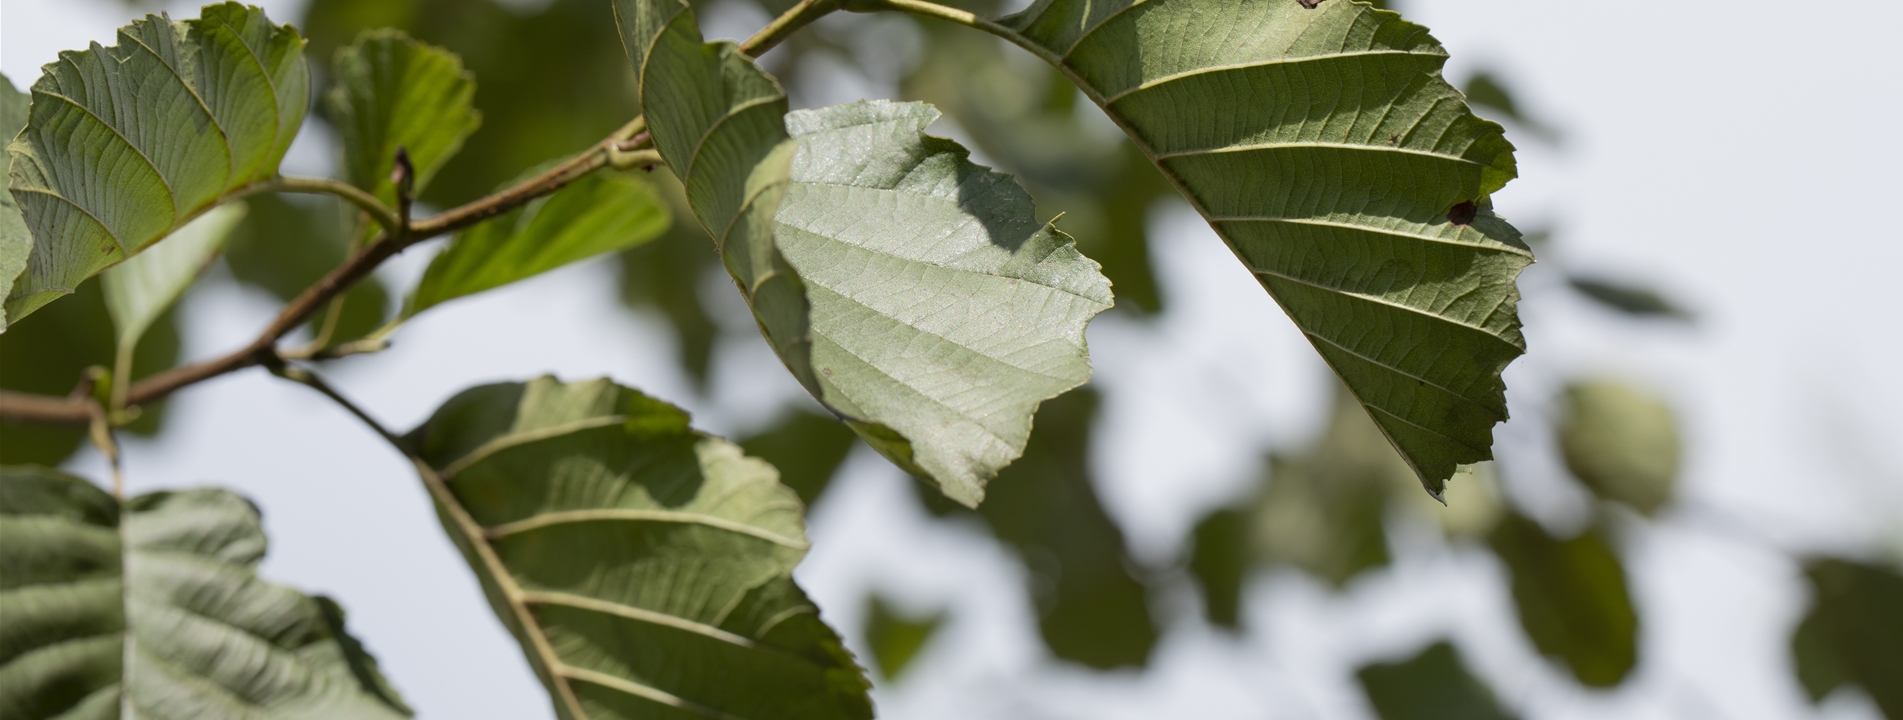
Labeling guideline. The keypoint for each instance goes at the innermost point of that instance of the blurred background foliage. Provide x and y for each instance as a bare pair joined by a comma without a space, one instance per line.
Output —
1328,509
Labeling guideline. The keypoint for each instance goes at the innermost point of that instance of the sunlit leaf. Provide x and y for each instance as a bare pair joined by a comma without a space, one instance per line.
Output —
388,92
1853,633
1434,685
1572,598
152,608
808,449
599,213
1622,442
645,568
143,287
125,144
895,637
1323,145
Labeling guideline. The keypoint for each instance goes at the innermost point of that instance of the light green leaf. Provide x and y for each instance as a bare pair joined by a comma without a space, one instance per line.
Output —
1572,598
596,214
1325,148
1434,685
646,568
128,143
143,287
394,92
1622,442
15,241
152,608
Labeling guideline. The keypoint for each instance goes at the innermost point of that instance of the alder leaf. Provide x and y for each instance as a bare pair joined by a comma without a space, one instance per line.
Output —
599,213
152,608
393,92
125,144
1572,598
1324,147
1852,633
1430,686
15,240
142,288
645,567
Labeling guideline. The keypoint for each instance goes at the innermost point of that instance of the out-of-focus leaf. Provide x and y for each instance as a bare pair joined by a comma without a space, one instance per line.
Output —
1622,442
152,608
554,78
666,274
16,242
125,144
600,213
1572,599
389,91
1434,685
895,637
645,567
807,447
287,244
1487,91
1322,509
143,287
1092,608
1323,146
46,354
1627,298
1219,560
1853,633
1026,118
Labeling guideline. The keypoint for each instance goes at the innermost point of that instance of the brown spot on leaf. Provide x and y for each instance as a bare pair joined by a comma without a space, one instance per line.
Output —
1463,214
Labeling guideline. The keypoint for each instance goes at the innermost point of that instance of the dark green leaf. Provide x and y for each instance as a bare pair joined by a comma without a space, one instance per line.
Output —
807,447
1853,632
646,568
388,92
153,608
1627,298
1572,599
1323,145
1434,685
895,637
125,144
287,244
599,213
46,354
1622,442
1219,560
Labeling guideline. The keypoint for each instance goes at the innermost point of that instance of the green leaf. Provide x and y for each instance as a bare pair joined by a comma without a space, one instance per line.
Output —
808,449
393,92
1628,298
667,275
1622,442
145,286
1325,148
153,608
15,240
895,637
1322,509
599,213
1219,560
646,568
1853,633
1434,685
1092,606
1572,598
128,143
47,353
287,243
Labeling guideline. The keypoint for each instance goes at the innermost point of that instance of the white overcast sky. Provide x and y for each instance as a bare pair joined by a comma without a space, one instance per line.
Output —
1741,155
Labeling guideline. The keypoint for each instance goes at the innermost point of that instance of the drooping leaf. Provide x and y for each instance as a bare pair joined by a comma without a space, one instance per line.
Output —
1323,145
152,608
125,144
646,568
600,213
1853,633
1219,560
929,310
390,92
143,287
288,243
1092,608
896,637
15,241
1434,685
1572,599
1628,298
808,449
1622,442
49,351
